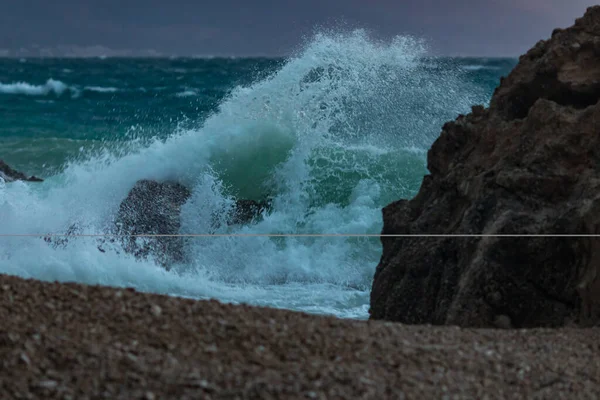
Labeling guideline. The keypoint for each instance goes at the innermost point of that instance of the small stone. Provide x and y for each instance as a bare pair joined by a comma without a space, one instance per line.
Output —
48,384
156,310
25,358
503,322
211,349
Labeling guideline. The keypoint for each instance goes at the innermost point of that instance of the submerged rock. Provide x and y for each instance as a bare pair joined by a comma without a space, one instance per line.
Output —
10,175
245,211
149,219
530,164
154,208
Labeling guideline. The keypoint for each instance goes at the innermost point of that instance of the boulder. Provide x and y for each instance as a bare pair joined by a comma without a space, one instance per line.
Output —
154,208
529,164
10,175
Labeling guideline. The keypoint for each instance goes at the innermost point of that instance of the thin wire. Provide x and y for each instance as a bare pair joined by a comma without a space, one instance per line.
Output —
376,235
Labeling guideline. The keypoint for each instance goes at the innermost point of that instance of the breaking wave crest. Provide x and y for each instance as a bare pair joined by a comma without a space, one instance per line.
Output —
339,131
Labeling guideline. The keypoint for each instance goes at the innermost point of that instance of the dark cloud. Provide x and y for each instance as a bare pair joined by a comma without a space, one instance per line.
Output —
223,27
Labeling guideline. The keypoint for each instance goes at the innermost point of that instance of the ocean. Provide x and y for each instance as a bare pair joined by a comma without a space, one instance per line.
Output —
331,134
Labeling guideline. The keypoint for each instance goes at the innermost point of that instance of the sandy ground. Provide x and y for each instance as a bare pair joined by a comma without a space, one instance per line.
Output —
75,342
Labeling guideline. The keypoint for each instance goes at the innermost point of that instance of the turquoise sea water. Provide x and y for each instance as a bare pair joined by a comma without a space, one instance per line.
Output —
332,134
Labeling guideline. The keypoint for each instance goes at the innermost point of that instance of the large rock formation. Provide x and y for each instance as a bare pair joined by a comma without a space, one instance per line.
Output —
530,164
9,175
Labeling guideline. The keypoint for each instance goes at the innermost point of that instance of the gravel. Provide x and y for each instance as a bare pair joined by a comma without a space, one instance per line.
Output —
72,341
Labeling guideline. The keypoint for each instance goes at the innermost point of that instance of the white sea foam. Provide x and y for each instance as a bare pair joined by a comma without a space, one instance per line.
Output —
50,87
101,89
479,67
187,93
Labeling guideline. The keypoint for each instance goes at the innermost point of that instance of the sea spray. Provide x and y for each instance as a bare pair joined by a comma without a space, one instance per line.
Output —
334,134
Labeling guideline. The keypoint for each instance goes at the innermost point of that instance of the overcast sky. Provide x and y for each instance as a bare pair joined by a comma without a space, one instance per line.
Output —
270,27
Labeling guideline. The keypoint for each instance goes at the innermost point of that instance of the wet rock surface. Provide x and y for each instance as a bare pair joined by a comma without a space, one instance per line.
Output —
10,175
246,211
529,164
149,220
153,208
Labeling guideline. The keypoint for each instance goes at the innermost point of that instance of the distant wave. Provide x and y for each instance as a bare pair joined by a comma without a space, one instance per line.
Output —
24,88
51,86
187,93
478,67
100,89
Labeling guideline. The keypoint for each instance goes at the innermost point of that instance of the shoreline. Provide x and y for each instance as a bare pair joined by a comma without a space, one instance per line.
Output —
68,340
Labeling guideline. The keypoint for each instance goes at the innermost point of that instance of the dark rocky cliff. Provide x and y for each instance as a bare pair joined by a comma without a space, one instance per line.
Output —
530,164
